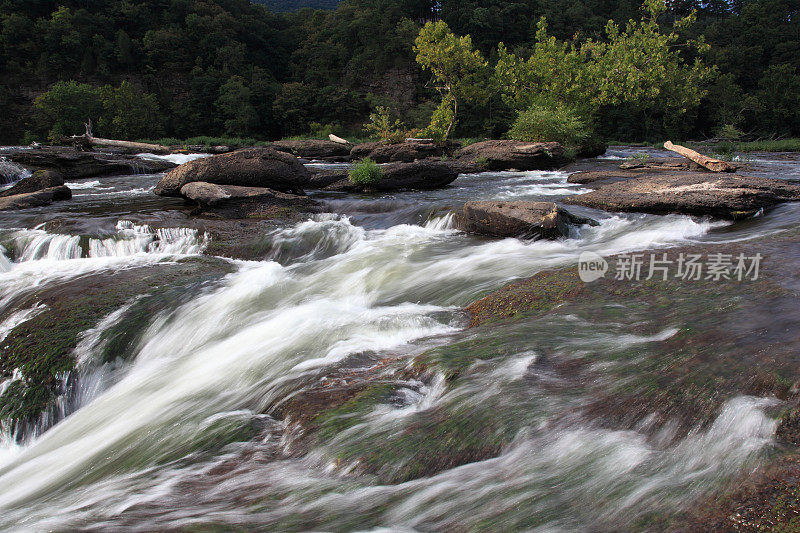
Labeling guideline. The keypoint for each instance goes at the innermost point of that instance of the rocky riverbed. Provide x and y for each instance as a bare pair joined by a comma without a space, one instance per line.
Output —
257,347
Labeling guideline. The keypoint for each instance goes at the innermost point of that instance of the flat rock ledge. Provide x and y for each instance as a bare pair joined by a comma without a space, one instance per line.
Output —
517,155
233,201
72,163
731,197
405,152
532,220
35,199
419,175
314,149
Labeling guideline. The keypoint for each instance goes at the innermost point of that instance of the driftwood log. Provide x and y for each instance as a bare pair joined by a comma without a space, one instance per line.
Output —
90,140
128,145
337,139
714,165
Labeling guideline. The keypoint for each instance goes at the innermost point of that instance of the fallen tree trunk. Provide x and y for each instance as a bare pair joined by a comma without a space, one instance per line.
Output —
337,139
128,145
714,165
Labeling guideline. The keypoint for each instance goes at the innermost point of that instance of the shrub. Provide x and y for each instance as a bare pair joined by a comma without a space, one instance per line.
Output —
550,123
366,173
384,126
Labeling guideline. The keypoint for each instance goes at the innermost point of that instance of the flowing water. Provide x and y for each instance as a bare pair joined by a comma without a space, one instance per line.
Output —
182,430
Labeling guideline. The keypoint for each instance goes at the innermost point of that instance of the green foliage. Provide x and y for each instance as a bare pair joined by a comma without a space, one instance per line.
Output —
385,127
639,156
128,113
457,69
730,132
63,110
558,123
231,67
236,108
639,68
366,173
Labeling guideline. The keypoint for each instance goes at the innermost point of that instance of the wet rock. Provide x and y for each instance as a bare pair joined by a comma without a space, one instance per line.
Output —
42,348
360,151
75,164
419,175
35,199
314,149
323,178
41,179
408,152
516,219
251,167
692,193
519,155
213,195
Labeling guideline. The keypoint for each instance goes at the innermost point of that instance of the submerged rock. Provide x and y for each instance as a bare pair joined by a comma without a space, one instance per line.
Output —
251,167
516,219
35,199
519,155
314,149
692,193
75,164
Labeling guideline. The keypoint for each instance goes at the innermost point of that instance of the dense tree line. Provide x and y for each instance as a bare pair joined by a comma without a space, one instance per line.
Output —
212,67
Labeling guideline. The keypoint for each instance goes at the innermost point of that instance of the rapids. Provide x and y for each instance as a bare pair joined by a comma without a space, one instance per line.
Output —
179,435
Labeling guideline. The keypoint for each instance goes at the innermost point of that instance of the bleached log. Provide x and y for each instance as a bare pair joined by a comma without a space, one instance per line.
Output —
336,139
714,165
128,145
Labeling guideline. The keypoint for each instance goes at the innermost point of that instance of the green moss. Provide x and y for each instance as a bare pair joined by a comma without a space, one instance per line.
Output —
42,347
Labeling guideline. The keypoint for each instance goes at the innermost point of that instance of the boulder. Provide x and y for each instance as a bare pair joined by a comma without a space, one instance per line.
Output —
251,167
35,199
692,193
519,155
314,149
419,175
408,152
516,219
41,179
360,151
75,164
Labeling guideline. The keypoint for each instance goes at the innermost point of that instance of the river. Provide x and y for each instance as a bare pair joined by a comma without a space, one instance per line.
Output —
178,427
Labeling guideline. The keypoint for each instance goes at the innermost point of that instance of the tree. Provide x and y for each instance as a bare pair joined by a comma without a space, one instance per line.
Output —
639,70
130,114
62,110
456,69
235,106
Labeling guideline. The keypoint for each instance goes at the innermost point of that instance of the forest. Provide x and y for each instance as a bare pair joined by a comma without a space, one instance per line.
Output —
149,69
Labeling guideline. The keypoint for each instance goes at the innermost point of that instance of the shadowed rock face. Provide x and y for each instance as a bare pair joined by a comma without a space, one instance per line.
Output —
401,152
314,149
516,219
418,175
519,155
35,199
691,193
75,164
213,195
252,167
41,179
